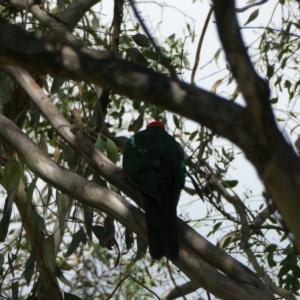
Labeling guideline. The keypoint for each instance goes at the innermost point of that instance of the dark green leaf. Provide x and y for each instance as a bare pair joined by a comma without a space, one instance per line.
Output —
62,202
274,100
78,237
231,183
1,260
5,220
284,237
10,264
287,84
270,71
133,54
149,53
272,248
38,220
226,242
14,289
283,63
29,267
176,121
30,190
270,258
217,226
252,17
59,274
12,175
141,40
192,136
128,238
273,220
141,248
106,233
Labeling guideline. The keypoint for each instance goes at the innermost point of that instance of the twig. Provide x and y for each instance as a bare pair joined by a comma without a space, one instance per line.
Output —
164,60
238,10
197,57
130,276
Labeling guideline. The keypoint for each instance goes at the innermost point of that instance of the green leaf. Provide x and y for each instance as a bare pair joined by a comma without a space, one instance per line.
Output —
274,100
270,258
106,233
252,17
231,183
272,247
128,239
38,220
134,54
12,175
273,220
5,220
149,53
141,248
29,267
112,151
59,274
1,260
193,135
10,264
141,40
226,242
14,289
176,121
49,253
30,190
270,71
62,202
78,237
284,237
217,226
287,84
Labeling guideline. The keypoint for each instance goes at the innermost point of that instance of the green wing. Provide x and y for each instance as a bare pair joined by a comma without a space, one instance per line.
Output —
142,157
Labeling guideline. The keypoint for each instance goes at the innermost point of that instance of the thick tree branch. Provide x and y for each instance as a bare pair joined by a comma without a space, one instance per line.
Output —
133,80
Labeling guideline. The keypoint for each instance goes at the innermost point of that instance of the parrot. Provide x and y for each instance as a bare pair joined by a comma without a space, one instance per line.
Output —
153,161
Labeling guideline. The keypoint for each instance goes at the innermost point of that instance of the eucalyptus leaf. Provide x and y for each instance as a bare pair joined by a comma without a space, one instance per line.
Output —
252,17
141,40
49,253
78,237
112,151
